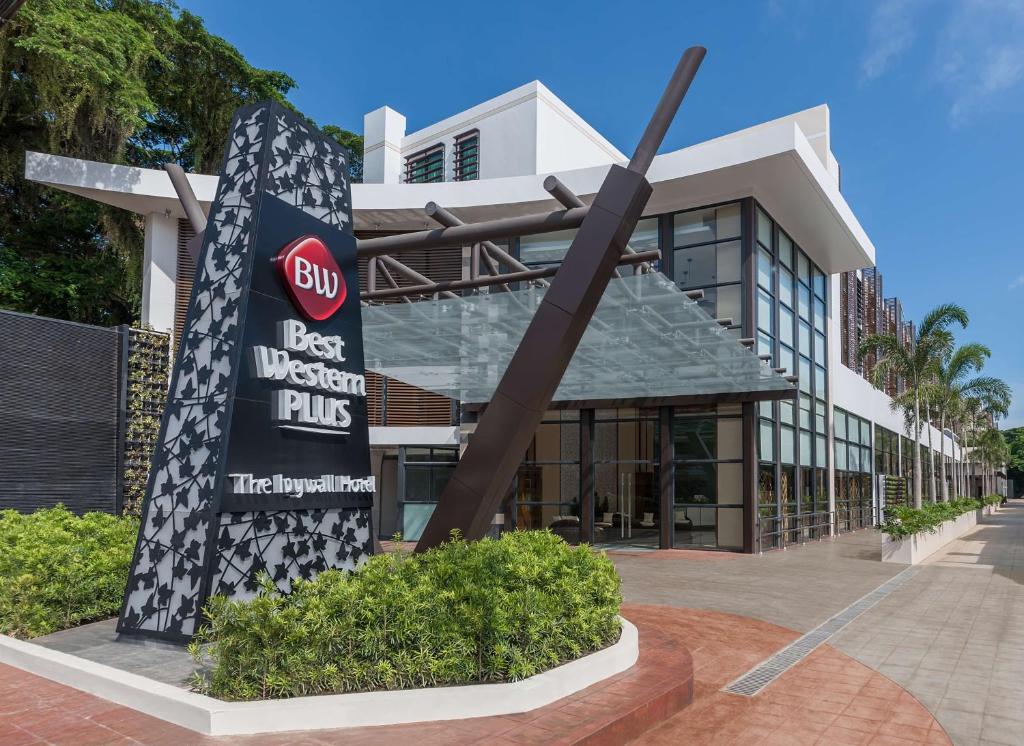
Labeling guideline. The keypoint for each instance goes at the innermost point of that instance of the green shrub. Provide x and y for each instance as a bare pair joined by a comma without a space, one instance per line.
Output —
904,521
992,499
492,610
59,570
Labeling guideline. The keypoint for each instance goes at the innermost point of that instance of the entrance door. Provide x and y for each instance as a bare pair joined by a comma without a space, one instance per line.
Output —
626,494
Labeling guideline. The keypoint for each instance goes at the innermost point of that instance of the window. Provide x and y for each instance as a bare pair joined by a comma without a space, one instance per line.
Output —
853,470
706,255
707,225
712,264
426,166
545,249
467,156
547,489
548,249
424,472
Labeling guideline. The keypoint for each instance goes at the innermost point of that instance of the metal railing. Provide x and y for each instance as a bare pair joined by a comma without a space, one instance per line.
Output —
780,531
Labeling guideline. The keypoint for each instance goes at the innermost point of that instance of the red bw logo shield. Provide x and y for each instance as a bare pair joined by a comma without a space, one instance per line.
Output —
312,278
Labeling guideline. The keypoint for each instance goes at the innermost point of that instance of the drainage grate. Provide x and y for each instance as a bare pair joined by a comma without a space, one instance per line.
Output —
767,671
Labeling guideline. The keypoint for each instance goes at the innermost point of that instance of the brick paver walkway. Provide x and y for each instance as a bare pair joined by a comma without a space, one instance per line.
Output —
828,699
951,640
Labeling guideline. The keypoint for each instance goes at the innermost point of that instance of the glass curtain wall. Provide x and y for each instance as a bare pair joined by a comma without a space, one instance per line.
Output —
708,456
547,491
790,316
852,442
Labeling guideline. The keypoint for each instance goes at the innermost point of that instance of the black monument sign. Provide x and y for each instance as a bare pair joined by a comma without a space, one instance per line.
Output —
263,459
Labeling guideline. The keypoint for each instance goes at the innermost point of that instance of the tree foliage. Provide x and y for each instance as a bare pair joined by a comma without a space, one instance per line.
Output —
124,81
1015,443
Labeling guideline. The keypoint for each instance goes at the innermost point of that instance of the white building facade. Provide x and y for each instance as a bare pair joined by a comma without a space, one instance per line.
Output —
756,219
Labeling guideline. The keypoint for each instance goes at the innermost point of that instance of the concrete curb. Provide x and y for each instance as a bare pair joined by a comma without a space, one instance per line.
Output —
215,717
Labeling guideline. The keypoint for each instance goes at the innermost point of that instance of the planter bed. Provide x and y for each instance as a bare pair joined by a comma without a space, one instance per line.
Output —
910,550
216,717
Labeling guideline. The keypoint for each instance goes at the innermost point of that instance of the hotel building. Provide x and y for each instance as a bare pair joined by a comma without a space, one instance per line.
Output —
667,432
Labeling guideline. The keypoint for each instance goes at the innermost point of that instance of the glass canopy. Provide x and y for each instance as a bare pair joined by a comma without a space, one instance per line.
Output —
647,339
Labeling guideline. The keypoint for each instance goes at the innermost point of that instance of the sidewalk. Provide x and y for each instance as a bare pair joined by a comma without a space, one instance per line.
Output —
954,635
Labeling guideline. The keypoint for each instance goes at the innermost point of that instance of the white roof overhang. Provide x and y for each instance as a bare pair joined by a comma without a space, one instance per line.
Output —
774,163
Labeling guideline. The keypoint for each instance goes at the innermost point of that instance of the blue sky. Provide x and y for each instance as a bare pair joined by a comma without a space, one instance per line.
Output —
927,100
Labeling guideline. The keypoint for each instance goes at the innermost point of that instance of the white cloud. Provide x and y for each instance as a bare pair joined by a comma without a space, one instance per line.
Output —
891,32
981,55
1018,282
977,48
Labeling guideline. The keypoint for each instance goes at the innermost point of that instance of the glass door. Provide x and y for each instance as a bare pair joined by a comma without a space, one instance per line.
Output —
626,493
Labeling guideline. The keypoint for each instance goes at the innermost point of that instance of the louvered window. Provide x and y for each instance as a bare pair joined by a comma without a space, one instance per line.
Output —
467,156
425,167
185,277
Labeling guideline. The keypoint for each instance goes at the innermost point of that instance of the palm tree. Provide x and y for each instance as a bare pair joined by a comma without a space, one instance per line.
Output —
981,412
988,449
916,364
953,383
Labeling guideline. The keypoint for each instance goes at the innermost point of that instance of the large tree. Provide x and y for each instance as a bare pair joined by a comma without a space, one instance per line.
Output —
122,81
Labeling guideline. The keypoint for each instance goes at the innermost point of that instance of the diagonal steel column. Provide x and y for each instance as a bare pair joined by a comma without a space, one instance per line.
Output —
486,469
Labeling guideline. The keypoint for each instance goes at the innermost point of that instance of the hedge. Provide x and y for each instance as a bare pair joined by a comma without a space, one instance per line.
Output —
486,611
904,521
59,570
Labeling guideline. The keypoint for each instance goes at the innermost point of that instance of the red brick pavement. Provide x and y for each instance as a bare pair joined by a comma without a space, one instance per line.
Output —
827,699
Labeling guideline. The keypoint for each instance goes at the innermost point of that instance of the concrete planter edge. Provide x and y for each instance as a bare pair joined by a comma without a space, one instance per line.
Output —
215,717
912,550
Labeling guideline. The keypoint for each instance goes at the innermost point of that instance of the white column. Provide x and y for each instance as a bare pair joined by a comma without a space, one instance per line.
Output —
383,132
159,272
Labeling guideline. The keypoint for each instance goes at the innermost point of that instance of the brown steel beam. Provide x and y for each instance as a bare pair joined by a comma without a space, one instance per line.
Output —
390,279
561,192
481,478
446,219
587,476
566,197
409,273
650,402
666,110
462,235
492,266
666,480
530,274
189,202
